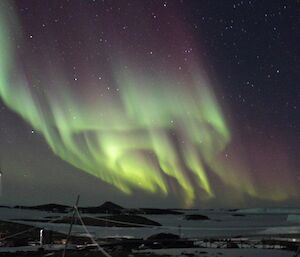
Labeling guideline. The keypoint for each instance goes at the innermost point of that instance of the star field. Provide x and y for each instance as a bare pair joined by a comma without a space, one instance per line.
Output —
195,101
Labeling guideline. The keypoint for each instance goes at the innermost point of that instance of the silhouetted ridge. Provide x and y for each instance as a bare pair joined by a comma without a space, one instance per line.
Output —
47,207
107,207
111,206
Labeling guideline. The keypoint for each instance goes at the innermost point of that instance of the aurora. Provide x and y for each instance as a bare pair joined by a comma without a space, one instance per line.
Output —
146,122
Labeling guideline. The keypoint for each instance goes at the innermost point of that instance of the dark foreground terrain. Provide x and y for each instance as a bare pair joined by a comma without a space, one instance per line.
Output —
148,232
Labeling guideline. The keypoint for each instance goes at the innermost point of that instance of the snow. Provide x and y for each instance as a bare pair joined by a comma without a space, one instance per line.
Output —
270,210
202,252
222,223
289,230
34,248
293,218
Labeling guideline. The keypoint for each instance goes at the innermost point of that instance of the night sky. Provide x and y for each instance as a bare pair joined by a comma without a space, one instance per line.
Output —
150,103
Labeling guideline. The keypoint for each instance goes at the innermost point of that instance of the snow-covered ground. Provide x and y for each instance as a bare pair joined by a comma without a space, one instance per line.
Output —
270,210
221,223
35,248
219,252
294,218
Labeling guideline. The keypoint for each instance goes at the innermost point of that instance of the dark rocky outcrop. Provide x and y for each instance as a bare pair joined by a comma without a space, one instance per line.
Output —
159,211
196,217
163,236
107,208
48,207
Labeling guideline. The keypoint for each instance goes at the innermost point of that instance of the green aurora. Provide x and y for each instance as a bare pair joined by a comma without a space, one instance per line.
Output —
159,133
